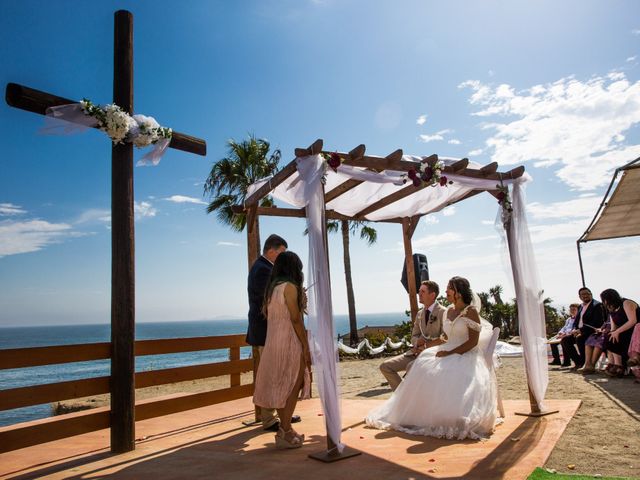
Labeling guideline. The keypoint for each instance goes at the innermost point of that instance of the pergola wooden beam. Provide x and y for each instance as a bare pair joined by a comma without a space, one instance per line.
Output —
299,213
36,101
354,155
282,175
410,189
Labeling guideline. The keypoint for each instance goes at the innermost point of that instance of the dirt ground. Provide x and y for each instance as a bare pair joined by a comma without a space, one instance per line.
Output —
603,438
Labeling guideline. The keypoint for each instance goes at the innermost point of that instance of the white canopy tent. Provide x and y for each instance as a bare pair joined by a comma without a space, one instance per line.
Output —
375,189
619,213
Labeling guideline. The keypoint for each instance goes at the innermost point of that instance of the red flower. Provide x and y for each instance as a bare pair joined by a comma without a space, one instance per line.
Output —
412,174
427,174
416,182
501,196
334,161
443,181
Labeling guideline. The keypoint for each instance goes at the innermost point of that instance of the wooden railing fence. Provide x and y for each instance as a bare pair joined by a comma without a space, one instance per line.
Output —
21,435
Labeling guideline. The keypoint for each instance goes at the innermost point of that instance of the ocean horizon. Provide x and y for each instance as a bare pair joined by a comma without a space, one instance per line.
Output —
50,335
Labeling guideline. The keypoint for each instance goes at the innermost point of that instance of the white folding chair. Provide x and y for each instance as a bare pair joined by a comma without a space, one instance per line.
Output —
488,356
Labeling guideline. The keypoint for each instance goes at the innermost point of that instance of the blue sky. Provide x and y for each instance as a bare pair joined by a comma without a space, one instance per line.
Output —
554,86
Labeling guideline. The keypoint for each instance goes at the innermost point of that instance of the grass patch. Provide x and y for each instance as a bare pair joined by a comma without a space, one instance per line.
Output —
542,474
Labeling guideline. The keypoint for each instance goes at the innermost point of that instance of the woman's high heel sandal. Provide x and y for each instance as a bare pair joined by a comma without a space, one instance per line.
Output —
288,439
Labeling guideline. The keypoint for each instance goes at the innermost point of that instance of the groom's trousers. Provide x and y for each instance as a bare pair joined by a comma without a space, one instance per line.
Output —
268,416
393,365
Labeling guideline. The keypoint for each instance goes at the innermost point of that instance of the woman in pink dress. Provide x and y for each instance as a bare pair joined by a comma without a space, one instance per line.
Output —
284,370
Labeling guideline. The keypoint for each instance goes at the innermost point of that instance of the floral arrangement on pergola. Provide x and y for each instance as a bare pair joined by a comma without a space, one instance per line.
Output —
398,188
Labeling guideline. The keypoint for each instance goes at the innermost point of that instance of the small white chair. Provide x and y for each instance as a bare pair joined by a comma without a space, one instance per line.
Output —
488,356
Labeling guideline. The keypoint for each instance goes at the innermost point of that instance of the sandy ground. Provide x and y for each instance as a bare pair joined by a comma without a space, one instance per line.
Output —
603,438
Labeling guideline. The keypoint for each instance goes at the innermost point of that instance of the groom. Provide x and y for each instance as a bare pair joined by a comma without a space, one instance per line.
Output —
427,328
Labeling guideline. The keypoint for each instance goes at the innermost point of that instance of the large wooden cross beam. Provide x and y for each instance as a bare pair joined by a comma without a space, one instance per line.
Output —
122,228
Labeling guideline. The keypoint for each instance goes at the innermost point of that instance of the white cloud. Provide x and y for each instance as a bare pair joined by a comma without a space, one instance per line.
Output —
582,207
544,233
579,125
7,209
454,141
487,222
228,244
436,136
421,119
635,31
486,237
435,240
143,209
475,152
94,215
429,220
491,73
449,211
631,59
184,199
30,235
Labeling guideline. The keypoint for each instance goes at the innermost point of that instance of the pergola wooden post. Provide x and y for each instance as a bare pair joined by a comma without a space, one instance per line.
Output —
408,228
122,384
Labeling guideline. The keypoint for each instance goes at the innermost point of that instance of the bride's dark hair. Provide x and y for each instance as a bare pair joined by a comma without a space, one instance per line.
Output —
286,268
461,285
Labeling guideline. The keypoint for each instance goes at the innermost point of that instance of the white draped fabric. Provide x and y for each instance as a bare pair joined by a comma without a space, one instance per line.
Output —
323,348
529,296
304,189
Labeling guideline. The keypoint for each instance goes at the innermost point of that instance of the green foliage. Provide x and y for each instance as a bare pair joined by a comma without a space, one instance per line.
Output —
376,338
544,474
246,162
403,330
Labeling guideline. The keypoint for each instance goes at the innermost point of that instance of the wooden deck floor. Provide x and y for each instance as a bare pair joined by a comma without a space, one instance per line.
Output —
212,442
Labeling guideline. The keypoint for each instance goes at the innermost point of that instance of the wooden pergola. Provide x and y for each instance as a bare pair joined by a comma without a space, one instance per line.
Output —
358,158
488,178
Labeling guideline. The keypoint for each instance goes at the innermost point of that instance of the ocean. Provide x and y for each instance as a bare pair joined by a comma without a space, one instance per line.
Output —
22,337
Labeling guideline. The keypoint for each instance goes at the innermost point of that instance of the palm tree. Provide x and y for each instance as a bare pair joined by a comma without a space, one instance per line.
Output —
246,162
370,235
495,292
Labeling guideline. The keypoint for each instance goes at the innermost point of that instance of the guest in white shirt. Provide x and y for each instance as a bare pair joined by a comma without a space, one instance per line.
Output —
565,331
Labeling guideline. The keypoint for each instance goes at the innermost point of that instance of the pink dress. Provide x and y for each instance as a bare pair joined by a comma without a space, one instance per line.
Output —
281,357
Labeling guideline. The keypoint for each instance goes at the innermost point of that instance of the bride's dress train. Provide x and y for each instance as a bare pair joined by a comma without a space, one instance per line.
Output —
446,397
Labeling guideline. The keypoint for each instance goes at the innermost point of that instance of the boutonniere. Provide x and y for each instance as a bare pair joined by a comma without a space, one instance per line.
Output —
433,318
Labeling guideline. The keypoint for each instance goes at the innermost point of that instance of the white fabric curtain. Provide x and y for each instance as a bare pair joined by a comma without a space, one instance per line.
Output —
323,347
304,189
529,295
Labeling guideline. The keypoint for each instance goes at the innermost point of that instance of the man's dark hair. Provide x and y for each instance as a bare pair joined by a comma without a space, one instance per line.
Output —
274,241
585,289
431,286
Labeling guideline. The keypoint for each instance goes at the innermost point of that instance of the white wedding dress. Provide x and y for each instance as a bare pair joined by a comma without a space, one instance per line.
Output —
446,397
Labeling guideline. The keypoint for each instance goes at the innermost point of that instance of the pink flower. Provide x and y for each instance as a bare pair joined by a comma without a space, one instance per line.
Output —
416,182
443,181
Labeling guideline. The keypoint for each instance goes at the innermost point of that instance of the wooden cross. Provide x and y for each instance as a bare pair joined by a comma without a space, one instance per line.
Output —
122,229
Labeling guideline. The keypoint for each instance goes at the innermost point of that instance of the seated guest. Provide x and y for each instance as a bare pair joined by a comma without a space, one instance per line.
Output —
590,317
624,316
565,331
634,352
593,348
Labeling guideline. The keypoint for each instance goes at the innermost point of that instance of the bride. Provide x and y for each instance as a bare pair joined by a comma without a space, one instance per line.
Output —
450,391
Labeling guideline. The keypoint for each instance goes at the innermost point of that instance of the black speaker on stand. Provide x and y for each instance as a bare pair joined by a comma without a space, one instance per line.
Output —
421,269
